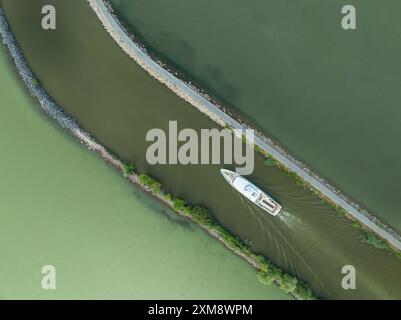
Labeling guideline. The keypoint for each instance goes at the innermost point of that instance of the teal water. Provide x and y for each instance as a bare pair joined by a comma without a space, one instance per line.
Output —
62,205
329,96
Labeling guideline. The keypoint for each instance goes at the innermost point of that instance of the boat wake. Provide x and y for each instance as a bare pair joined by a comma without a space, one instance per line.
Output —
290,221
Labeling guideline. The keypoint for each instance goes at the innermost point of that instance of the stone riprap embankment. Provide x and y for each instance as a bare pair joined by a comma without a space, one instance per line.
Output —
217,113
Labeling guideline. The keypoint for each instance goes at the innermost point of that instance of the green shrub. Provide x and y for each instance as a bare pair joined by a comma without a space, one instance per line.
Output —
149,182
264,278
288,283
128,169
235,242
200,215
270,162
168,197
277,273
258,149
178,204
264,264
303,292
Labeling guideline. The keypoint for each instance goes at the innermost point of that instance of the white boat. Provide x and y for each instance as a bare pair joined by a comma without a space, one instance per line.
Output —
251,192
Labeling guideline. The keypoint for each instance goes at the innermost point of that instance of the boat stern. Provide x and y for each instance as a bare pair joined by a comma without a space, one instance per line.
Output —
277,210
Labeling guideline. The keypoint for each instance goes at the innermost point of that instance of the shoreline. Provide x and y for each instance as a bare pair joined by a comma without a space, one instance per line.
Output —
200,216
205,104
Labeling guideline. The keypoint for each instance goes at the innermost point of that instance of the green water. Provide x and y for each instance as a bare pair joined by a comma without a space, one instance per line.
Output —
115,100
62,205
330,96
